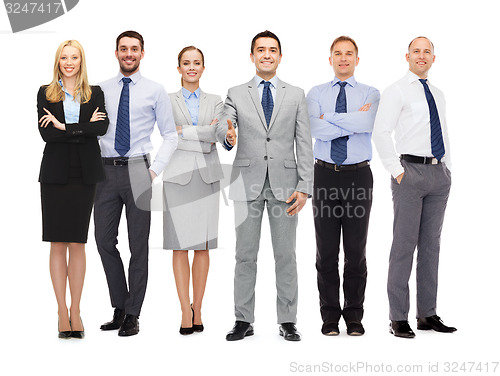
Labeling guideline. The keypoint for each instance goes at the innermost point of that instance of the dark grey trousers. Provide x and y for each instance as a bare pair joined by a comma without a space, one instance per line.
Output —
419,207
128,186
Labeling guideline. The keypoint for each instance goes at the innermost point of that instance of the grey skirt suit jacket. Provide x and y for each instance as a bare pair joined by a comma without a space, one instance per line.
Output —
191,179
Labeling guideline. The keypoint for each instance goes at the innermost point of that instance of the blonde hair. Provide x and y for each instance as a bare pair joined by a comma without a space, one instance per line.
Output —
83,91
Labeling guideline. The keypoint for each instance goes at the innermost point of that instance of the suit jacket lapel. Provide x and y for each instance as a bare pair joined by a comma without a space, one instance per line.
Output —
84,109
182,105
254,94
280,94
202,115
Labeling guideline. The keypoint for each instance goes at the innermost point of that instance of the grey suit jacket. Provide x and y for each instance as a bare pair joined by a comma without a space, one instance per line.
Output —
197,144
283,151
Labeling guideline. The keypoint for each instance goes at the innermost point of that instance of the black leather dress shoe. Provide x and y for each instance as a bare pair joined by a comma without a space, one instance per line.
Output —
434,323
401,329
130,326
355,328
117,321
289,332
330,328
241,329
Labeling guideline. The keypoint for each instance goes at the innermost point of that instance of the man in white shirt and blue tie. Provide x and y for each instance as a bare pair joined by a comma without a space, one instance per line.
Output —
414,110
135,104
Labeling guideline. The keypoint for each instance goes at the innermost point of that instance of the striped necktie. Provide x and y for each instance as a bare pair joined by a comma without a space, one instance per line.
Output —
122,135
437,144
338,151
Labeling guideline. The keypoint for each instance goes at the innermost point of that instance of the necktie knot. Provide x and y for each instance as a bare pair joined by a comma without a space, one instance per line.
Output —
423,81
342,83
126,80
266,83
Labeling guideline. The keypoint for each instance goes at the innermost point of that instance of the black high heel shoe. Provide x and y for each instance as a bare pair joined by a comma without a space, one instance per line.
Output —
186,331
79,334
196,328
65,334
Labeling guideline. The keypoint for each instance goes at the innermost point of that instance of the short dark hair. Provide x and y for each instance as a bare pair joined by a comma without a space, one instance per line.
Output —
344,38
265,34
130,34
419,38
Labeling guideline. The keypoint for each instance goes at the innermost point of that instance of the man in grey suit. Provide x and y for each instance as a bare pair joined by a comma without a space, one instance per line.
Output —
273,167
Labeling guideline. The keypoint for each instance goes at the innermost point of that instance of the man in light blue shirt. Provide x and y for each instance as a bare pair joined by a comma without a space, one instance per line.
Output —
342,113
135,105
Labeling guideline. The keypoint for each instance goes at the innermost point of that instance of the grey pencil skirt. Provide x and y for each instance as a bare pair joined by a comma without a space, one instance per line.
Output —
191,214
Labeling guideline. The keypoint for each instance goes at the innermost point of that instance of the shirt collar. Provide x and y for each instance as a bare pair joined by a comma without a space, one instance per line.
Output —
273,81
64,89
135,77
187,94
412,77
351,81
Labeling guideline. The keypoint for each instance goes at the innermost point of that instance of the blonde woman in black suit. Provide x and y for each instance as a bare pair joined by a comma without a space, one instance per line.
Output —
191,187
71,114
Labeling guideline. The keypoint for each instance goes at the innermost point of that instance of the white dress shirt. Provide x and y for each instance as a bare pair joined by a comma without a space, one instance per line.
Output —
149,104
403,109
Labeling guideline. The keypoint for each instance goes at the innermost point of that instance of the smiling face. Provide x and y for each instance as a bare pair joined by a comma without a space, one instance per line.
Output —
266,56
191,66
344,59
129,55
70,62
420,56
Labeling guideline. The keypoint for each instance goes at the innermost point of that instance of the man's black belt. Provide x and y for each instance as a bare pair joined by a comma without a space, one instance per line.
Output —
124,161
341,168
421,160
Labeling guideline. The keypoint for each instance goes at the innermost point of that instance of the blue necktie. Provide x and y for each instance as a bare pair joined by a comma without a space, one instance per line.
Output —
122,135
338,151
437,144
267,101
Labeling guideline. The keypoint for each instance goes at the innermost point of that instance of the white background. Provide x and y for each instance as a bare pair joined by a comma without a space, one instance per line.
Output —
465,35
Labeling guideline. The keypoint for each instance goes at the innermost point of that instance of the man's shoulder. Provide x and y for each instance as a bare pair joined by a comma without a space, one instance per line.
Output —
107,83
150,83
321,87
365,87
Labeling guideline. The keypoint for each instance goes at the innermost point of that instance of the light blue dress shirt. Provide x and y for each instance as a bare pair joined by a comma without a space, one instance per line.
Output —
192,101
260,86
358,125
71,107
149,104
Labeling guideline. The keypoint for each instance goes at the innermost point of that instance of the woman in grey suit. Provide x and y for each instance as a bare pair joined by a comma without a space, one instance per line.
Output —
191,186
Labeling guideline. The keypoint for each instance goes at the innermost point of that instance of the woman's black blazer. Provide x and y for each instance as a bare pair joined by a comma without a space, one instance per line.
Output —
55,162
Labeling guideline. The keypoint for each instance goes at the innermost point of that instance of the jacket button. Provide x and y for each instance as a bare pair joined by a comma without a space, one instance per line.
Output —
268,139
265,158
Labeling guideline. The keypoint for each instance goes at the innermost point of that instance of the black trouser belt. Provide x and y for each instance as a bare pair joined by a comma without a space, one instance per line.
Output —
124,161
341,168
421,160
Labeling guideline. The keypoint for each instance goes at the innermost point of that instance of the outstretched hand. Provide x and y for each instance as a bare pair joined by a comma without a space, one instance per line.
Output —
231,133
